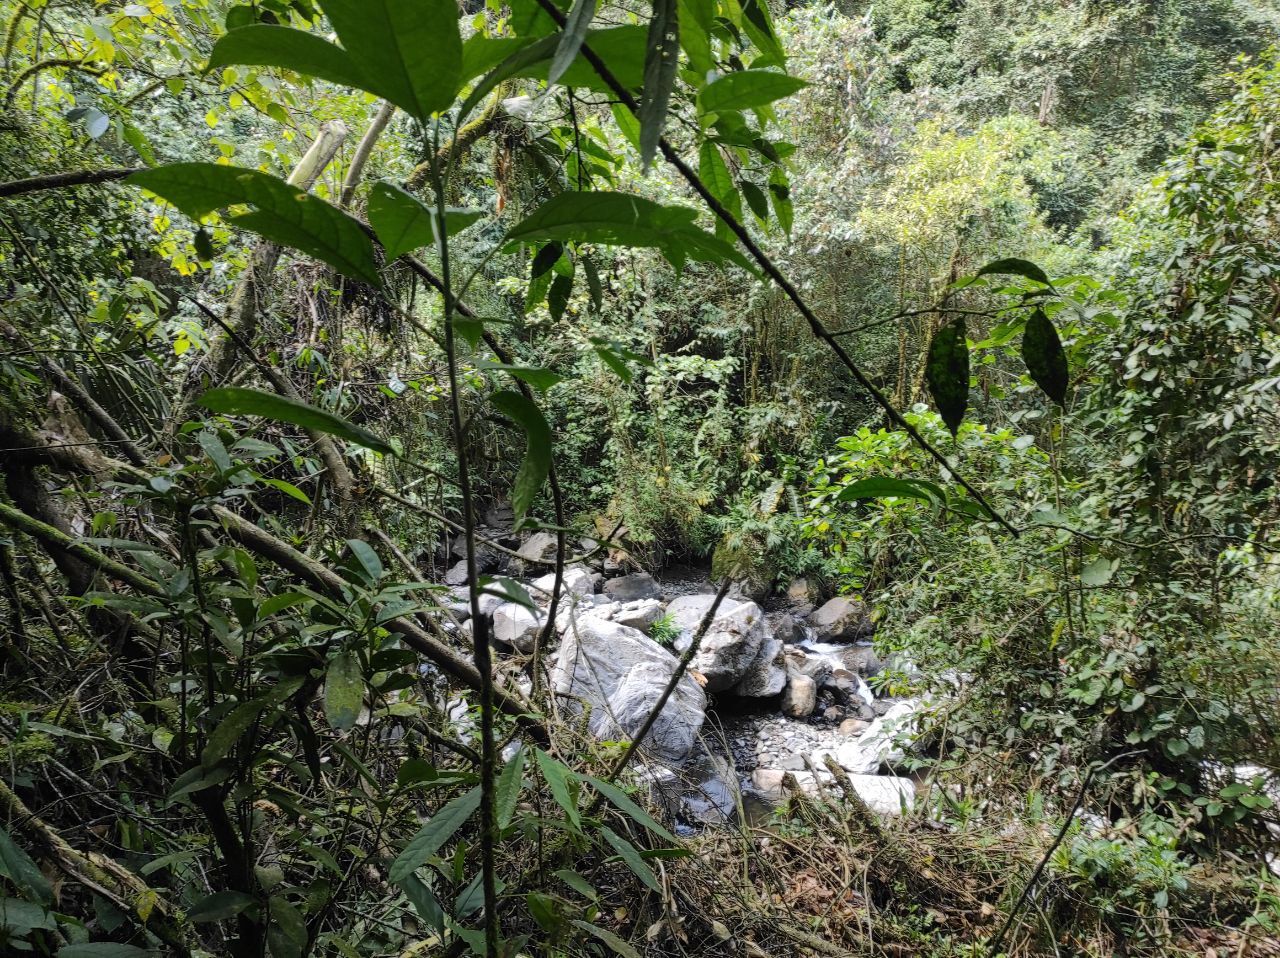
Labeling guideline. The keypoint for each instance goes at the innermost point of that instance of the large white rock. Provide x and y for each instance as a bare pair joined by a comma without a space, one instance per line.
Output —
885,794
539,548
877,745
640,614
517,626
766,675
577,581
629,588
575,607
842,619
730,645
800,697
619,673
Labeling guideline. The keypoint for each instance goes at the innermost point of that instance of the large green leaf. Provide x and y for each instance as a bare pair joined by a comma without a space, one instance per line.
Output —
616,944
220,906
780,190
481,53
746,89
628,853
235,400
404,223
571,37
433,835
1015,267
714,173
622,49
947,372
759,26
560,780
510,781
409,51
697,20
282,213
343,690
287,933
614,219
1045,358
239,719
17,866
662,60
21,917
882,487
625,803
266,45
537,455
622,219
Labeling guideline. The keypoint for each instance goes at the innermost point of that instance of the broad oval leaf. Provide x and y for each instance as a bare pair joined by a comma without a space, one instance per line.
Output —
623,219
236,400
880,487
343,691
536,376
622,49
239,719
433,835
560,780
714,173
17,866
1016,267
404,223
220,906
408,51
747,89
1045,358
947,372
537,455
267,45
283,214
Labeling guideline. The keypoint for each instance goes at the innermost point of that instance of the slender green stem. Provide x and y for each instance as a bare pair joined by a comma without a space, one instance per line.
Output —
480,630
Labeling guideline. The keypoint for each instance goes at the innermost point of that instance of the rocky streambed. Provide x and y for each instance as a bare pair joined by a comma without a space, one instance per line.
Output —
773,698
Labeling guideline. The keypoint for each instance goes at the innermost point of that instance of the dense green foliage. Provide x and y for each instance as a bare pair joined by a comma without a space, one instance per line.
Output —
967,308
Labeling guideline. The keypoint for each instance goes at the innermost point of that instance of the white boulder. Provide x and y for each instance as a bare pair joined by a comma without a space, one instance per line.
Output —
619,673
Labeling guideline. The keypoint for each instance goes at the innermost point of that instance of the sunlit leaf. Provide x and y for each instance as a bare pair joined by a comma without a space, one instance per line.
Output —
879,487
408,51
282,213
571,37
1015,267
747,89
220,906
404,223
267,45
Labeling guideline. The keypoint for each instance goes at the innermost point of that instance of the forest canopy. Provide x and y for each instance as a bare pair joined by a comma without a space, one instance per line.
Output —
698,477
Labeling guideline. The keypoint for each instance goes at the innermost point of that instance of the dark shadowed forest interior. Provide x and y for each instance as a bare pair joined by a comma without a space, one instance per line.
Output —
642,478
